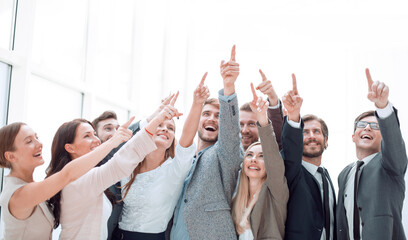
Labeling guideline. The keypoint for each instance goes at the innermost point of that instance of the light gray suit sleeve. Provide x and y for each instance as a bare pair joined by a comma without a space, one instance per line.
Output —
229,147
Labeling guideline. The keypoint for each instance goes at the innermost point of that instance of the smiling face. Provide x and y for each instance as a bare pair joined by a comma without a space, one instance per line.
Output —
208,125
314,142
366,139
28,149
254,165
85,141
107,128
249,131
164,135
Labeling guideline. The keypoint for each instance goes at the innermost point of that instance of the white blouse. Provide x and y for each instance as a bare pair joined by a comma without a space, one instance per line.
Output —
150,202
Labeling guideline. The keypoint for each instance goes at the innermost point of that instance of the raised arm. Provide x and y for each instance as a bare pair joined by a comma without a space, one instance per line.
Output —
24,199
274,114
190,127
126,159
275,169
394,155
292,137
228,145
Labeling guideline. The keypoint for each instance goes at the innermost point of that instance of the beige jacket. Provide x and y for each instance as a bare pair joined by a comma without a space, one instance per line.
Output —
81,200
37,226
268,216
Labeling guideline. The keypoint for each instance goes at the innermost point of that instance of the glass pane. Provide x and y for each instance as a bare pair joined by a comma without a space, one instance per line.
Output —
4,92
49,106
111,68
6,21
60,36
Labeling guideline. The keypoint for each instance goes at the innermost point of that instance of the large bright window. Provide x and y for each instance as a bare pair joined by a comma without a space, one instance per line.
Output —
6,23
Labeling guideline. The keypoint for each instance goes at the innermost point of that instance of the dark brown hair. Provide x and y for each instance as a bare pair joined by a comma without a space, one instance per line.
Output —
66,133
105,115
311,117
370,113
8,135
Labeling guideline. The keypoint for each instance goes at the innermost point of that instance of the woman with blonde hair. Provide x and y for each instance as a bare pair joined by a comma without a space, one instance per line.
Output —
24,210
259,207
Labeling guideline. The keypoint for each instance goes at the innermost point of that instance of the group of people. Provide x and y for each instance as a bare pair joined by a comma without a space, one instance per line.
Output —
253,173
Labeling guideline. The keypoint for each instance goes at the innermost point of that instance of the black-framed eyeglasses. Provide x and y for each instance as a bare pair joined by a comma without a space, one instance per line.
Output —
363,124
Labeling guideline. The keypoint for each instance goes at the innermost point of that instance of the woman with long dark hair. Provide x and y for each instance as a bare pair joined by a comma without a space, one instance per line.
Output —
259,207
24,211
150,194
81,207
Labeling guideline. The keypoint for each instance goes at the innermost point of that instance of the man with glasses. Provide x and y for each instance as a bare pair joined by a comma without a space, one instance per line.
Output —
371,190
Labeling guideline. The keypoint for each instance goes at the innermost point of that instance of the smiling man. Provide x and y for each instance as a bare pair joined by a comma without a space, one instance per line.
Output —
310,210
371,190
203,210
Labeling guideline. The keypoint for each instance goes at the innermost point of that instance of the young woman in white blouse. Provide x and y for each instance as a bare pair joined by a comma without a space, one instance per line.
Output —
24,210
150,194
82,208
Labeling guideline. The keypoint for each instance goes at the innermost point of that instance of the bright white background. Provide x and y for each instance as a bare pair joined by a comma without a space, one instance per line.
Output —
78,58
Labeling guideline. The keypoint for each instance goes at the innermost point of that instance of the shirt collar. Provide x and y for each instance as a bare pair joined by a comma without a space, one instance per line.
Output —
311,168
367,159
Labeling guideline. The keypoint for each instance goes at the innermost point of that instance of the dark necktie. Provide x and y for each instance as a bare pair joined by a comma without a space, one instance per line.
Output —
325,202
356,215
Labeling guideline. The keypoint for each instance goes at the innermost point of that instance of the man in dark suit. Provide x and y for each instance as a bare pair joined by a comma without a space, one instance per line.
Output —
311,205
371,190
106,125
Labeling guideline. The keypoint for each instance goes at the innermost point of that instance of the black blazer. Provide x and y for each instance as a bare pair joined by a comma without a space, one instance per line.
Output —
113,220
305,208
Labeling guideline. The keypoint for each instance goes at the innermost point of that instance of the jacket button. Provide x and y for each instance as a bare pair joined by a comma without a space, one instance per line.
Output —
362,224
359,208
185,200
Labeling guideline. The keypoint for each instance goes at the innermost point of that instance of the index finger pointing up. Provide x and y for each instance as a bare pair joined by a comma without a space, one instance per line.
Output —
295,91
203,79
126,125
253,92
263,75
369,79
173,101
233,54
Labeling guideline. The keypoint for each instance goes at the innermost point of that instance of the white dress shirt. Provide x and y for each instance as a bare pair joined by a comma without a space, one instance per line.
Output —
349,194
312,169
106,212
150,202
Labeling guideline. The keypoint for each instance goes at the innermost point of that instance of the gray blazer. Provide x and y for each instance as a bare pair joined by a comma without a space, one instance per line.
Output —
381,188
207,212
269,213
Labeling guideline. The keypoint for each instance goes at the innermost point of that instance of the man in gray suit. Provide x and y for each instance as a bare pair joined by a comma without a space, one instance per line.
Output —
371,190
203,210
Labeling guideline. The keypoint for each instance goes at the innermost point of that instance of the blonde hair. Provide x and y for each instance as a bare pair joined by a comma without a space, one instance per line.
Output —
240,211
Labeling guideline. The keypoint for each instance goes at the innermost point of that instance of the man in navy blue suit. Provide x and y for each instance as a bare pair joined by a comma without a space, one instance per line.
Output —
311,205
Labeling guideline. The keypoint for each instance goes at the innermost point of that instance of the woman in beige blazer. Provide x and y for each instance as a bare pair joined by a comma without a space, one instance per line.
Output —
259,207
24,211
